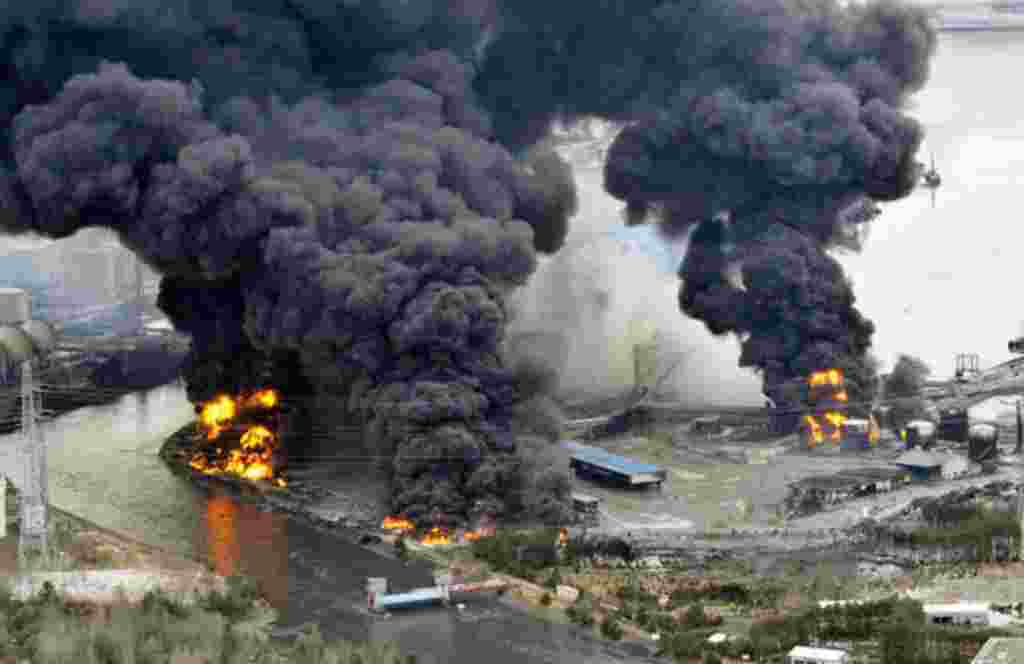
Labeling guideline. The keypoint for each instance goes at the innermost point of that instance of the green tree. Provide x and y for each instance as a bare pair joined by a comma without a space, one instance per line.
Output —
903,390
695,616
610,627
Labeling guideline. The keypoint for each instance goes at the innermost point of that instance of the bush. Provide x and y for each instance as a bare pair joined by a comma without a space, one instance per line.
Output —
610,628
695,617
712,658
545,599
237,601
581,612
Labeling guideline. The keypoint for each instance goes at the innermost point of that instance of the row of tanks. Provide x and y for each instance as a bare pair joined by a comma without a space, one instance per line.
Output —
982,438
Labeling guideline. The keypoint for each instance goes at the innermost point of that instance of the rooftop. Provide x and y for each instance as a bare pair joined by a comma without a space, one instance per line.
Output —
919,459
818,654
959,607
596,455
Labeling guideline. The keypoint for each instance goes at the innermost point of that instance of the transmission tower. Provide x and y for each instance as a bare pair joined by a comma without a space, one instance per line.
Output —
32,509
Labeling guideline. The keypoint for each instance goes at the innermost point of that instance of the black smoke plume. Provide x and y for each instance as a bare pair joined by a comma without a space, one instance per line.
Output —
340,195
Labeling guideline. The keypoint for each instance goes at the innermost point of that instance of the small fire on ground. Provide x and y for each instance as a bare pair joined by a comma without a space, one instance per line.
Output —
252,459
435,536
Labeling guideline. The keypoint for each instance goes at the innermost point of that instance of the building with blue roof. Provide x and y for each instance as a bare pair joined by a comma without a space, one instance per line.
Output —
598,464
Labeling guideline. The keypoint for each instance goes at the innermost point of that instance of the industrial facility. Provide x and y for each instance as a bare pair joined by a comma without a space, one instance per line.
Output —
594,463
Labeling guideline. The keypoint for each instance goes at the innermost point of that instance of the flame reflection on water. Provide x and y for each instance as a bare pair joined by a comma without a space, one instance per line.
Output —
239,535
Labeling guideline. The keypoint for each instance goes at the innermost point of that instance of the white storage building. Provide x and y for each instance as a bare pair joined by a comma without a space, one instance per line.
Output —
808,655
961,613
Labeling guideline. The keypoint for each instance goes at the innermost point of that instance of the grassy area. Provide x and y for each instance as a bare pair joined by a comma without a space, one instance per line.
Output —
230,628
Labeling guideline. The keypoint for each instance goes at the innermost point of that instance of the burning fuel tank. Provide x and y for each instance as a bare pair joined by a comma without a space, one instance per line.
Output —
983,440
920,433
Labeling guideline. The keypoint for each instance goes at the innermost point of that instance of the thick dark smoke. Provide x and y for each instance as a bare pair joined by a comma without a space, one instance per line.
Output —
340,194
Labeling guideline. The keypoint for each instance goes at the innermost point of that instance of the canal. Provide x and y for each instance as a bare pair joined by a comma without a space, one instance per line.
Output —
103,466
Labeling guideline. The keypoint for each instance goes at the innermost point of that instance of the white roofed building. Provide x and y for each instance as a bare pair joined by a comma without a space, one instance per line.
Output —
808,655
961,613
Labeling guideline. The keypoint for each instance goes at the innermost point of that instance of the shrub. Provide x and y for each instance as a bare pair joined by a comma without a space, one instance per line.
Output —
545,599
695,617
610,628
236,602
712,658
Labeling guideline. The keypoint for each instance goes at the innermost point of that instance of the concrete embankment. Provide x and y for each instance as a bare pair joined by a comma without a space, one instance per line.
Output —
116,586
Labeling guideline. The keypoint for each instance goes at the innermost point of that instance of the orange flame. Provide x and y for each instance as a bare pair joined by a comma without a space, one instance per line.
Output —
563,537
814,430
216,414
253,460
397,523
837,420
435,536
842,396
826,377
266,398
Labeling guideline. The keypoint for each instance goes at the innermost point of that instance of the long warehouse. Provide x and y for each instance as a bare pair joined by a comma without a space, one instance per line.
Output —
596,463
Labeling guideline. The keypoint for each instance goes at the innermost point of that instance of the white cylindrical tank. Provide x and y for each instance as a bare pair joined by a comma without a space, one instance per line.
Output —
16,345
983,432
924,428
14,306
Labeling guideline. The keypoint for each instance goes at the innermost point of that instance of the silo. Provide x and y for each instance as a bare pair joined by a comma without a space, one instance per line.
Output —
14,306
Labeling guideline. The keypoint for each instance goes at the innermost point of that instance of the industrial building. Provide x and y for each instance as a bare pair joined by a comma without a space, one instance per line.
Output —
962,613
808,655
595,463
922,465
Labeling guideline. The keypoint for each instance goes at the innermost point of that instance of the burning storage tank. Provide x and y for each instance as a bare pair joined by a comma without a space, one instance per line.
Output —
826,403
239,437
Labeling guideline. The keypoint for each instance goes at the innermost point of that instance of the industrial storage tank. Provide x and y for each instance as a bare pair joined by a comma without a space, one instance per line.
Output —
983,439
14,306
920,433
15,345
953,424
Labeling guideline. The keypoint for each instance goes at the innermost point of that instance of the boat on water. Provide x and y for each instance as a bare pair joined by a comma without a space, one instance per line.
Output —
1005,16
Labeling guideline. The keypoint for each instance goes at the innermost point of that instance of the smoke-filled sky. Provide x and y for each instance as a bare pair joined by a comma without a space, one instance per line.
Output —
614,288
342,195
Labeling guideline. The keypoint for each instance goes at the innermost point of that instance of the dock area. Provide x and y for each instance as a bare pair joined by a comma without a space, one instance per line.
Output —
380,600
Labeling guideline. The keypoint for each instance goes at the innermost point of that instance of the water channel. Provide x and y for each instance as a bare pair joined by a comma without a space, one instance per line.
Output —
103,466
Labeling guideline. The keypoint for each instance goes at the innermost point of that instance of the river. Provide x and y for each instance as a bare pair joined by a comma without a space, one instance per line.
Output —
103,466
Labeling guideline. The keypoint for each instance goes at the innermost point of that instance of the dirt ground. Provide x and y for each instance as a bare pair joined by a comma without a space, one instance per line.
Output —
719,482
80,545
